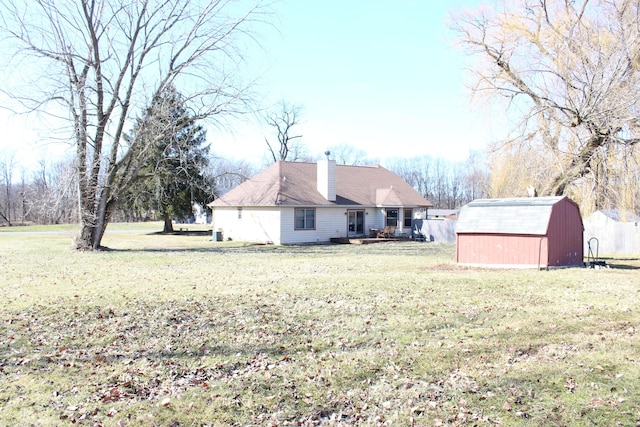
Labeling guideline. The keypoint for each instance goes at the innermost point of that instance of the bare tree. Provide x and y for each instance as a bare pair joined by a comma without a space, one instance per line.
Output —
515,169
227,173
570,72
6,183
288,146
441,190
102,61
445,183
476,177
416,171
346,154
52,195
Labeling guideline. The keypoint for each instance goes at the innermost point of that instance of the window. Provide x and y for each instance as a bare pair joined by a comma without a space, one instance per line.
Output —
408,217
305,219
392,217
239,213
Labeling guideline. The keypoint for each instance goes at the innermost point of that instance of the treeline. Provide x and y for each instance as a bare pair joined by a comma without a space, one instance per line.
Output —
46,196
49,195
446,184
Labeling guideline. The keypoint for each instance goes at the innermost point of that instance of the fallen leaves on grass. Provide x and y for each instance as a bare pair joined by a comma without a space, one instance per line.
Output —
320,343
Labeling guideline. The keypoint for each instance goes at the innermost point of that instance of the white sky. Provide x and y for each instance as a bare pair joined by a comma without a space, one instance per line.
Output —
380,75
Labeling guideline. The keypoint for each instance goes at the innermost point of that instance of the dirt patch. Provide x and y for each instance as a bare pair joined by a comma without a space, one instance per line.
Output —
451,267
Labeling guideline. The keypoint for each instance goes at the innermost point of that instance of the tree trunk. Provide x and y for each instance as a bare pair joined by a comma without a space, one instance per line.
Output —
579,166
168,224
87,240
94,223
91,236
6,219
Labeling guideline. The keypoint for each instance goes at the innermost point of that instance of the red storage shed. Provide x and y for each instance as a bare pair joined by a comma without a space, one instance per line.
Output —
533,232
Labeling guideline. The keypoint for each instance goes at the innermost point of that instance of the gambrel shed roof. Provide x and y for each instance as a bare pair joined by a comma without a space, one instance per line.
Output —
507,216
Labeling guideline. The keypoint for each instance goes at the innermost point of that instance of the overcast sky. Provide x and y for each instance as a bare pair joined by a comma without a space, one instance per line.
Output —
380,75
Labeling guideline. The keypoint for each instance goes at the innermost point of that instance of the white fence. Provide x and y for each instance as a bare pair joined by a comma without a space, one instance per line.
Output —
438,230
613,238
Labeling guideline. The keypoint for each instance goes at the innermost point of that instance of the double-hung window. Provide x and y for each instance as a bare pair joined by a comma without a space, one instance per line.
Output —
392,217
408,217
305,219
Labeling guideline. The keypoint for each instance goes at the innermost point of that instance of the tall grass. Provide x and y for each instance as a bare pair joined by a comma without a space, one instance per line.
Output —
163,330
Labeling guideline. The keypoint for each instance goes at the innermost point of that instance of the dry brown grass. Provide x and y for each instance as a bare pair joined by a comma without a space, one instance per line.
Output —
174,330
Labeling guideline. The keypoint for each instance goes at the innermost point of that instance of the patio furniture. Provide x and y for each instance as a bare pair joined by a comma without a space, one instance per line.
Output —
387,231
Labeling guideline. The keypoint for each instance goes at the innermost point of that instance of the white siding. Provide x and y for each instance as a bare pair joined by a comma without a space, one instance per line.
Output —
277,225
378,218
330,222
256,225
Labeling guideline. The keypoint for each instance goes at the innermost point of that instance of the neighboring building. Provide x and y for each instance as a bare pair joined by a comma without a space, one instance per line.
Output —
443,214
535,232
200,213
294,202
617,232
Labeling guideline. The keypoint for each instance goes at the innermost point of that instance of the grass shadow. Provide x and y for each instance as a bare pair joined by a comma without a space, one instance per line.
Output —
622,263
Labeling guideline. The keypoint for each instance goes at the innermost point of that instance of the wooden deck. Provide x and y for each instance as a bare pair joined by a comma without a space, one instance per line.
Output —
367,240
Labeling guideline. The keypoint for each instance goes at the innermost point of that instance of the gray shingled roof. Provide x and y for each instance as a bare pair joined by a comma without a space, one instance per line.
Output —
294,184
529,215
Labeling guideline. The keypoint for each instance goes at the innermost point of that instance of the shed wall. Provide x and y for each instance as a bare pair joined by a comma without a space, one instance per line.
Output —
556,239
502,250
565,235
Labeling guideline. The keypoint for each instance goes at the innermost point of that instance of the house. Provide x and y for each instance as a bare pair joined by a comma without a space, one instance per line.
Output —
615,231
295,202
535,232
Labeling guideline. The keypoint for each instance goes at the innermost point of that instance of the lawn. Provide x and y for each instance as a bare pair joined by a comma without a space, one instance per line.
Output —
179,330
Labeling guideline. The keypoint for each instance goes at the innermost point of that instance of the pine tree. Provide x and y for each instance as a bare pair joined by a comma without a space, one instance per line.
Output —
171,180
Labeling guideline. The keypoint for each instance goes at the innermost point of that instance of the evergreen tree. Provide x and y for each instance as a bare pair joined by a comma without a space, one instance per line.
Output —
172,178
